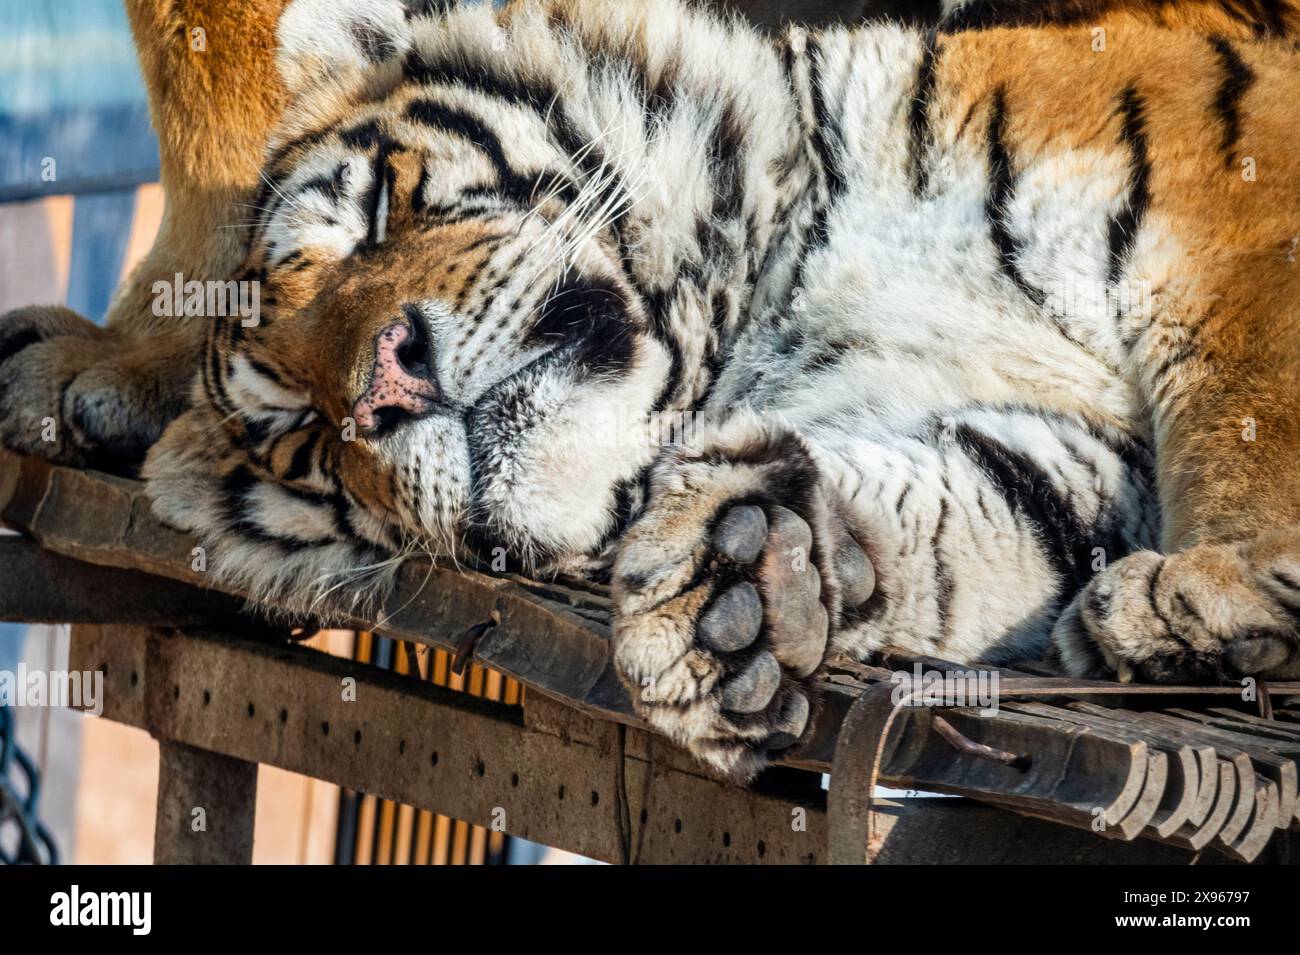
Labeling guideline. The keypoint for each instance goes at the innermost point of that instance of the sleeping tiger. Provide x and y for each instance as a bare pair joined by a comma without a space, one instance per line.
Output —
980,344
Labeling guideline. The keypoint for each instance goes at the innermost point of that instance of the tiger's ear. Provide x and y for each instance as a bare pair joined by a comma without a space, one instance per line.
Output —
327,41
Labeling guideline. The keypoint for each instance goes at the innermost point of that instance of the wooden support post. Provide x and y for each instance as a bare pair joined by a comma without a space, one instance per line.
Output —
206,804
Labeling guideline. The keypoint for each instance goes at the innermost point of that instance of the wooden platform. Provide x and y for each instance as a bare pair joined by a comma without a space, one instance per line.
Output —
1075,770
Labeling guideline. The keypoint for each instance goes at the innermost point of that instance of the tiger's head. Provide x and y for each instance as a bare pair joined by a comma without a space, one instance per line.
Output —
470,246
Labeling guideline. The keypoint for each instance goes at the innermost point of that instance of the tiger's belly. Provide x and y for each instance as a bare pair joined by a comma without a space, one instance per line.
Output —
981,424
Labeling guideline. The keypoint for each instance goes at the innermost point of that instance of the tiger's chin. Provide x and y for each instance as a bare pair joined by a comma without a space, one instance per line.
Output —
556,459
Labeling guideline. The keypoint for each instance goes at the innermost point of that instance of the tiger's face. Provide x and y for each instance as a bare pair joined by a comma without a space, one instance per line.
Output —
445,335
492,256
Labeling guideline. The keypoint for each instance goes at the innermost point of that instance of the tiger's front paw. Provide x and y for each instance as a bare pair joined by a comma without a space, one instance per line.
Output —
71,394
1212,613
727,591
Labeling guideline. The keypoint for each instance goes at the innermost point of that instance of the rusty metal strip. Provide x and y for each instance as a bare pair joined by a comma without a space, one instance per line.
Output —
859,753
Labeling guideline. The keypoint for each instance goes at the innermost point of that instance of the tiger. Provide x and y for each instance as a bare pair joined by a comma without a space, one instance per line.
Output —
977,342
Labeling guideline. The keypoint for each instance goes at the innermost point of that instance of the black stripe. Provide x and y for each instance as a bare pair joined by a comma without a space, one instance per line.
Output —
467,70
517,187
418,202
918,121
1263,17
1029,492
330,186
382,175
430,113
832,175
998,201
236,488
630,497
215,370
300,463
1237,79
943,583
1152,587
657,301
269,194
987,14
1274,15
823,128
375,45
1184,353
1123,229
483,77
715,354
727,162
426,8
362,136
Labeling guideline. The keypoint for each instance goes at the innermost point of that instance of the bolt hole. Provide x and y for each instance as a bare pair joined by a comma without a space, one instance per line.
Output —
677,825
762,848
207,697
135,678
480,770
514,779
595,798
726,838
401,748
325,729
645,817
356,737
433,759
176,693
561,790
284,716
251,711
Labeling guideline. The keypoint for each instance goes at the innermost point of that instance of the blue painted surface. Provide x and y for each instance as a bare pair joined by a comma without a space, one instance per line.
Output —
70,93
74,120
12,636
86,149
101,226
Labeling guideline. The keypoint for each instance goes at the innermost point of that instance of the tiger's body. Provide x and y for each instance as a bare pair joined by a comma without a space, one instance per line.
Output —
989,341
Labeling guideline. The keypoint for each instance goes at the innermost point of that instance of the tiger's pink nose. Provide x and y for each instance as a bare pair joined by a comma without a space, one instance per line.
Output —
402,385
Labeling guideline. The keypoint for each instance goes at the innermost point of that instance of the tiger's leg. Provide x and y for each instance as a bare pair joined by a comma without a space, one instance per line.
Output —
82,394
1222,600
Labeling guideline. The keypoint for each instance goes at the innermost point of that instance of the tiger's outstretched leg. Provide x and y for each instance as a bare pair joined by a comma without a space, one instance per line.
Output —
1222,601
87,395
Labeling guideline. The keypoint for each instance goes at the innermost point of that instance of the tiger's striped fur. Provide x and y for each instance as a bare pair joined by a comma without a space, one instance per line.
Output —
996,307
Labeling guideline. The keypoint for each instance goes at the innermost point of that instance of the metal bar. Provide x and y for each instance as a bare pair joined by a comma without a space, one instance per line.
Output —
979,750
